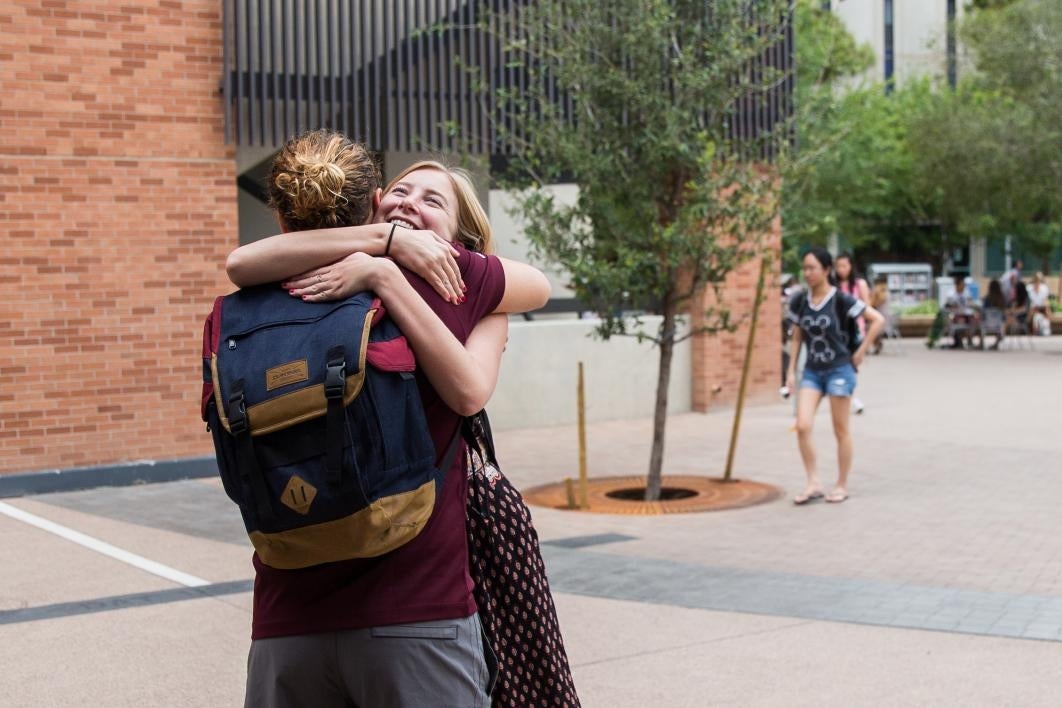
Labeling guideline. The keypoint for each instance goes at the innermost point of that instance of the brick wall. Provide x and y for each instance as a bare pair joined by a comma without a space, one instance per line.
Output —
117,208
718,358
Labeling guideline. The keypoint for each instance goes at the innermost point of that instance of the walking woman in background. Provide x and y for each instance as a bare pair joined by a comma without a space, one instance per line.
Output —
825,320
851,283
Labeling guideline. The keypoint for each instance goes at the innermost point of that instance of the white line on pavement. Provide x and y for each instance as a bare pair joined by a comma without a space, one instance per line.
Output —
105,548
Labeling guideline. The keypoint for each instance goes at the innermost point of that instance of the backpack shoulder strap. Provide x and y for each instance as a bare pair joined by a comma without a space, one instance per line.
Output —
840,309
451,450
211,337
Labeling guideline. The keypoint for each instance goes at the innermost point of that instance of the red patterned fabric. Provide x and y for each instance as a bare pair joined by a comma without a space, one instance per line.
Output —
511,588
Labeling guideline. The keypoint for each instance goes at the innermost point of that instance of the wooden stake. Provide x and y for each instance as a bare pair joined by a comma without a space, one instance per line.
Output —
581,403
745,369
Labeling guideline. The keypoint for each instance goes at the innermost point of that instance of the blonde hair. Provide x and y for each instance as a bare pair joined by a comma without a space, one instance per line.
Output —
322,179
473,226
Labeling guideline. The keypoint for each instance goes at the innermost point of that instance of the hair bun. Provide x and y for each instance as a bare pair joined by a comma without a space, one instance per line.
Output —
314,187
321,179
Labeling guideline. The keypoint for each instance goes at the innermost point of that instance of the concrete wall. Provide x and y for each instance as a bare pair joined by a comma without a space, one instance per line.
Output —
865,20
712,362
509,234
540,368
919,34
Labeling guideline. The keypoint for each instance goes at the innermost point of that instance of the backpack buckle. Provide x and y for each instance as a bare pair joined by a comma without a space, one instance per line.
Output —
237,412
336,376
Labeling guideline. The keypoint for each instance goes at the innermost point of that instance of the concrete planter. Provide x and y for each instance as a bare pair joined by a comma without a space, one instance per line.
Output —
915,325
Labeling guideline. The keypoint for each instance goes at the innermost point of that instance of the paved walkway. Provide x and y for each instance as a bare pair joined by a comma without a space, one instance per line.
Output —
938,583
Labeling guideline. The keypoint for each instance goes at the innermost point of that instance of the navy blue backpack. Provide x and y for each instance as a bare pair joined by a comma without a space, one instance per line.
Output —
318,426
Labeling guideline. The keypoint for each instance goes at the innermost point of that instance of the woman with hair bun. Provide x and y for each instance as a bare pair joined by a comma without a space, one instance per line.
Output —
368,631
822,317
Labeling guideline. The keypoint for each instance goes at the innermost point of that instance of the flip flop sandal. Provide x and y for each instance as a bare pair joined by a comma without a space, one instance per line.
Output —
837,497
802,499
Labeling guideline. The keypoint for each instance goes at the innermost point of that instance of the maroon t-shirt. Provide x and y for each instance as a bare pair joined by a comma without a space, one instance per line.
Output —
427,578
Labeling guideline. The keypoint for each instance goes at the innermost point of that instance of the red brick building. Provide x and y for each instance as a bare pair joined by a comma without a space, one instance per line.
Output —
117,208
118,205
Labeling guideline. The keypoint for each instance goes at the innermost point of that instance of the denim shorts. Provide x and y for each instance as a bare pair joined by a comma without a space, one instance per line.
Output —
839,381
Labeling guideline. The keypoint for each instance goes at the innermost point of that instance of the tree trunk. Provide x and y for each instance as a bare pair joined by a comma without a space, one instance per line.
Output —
663,379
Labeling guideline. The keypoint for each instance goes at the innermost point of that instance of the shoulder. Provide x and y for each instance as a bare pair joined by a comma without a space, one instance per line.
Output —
850,304
795,306
484,278
475,264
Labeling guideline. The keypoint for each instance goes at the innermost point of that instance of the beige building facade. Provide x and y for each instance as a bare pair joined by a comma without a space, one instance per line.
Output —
909,37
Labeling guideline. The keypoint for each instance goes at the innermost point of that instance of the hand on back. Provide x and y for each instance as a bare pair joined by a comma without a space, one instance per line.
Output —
336,281
432,257
421,251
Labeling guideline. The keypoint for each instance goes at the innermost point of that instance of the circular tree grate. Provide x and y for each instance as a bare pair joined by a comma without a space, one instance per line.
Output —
684,494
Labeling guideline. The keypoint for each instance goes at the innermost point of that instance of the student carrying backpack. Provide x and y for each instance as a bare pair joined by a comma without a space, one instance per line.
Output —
825,320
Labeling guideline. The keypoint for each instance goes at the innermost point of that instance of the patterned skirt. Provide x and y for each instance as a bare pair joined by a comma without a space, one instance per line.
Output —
511,589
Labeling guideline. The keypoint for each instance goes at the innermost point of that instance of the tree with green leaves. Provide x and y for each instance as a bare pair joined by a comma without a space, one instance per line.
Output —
668,203
851,172
992,150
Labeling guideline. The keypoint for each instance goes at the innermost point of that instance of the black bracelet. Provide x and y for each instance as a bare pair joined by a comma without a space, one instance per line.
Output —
387,248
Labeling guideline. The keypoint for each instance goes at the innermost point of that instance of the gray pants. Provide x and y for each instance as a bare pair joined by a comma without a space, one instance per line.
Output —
432,664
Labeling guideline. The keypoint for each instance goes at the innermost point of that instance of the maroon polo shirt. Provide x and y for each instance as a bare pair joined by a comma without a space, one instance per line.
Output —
427,578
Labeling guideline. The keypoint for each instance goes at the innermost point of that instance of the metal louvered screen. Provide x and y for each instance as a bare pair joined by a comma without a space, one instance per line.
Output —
757,116
384,72
375,70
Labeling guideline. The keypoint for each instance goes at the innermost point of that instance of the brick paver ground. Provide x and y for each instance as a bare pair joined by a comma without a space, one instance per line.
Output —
955,482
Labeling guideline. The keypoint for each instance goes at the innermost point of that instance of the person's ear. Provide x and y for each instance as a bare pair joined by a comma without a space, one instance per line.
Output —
377,197
283,227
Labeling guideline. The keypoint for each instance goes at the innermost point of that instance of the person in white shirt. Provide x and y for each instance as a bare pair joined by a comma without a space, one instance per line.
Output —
1038,293
1039,305
963,316
1009,281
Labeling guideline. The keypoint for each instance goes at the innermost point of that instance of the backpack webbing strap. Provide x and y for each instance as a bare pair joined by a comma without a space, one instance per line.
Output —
849,326
451,451
247,461
335,383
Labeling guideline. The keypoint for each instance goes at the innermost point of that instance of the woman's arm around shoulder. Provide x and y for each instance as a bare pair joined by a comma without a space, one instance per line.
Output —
277,257
526,287
303,256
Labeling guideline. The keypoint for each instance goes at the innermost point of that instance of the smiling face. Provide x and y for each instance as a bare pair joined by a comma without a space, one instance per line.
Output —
422,199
